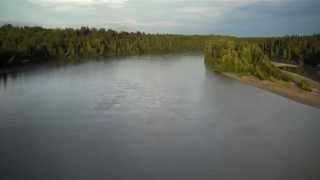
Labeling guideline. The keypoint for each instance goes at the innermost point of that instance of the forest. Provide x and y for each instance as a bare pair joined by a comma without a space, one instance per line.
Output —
291,49
253,56
21,45
242,58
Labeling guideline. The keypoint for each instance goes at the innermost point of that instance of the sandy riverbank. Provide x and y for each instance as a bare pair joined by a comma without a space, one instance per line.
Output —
286,89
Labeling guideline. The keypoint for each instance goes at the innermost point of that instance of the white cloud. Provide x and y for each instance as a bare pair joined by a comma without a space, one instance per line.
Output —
61,4
150,15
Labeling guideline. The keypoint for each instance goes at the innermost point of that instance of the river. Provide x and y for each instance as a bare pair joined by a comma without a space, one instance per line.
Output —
151,117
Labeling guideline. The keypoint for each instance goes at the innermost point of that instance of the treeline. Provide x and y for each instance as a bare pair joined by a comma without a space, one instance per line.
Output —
19,45
241,57
253,56
291,49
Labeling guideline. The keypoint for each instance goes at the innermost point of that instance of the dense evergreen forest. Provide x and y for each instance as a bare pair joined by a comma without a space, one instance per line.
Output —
19,45
253,56
291,49
241,57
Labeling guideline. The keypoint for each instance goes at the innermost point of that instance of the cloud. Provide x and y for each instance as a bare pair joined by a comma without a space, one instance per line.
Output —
66,4
148,15
238,17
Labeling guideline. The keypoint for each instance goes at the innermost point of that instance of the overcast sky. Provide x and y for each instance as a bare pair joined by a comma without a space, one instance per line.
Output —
231,17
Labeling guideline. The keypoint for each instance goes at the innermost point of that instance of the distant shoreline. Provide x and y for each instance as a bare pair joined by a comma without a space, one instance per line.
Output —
285,89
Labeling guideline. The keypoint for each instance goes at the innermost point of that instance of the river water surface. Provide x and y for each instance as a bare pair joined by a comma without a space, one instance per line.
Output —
151,117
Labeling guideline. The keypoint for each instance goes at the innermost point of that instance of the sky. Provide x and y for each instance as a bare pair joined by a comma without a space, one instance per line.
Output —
224,17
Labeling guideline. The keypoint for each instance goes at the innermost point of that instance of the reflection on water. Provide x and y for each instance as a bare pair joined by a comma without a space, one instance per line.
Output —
3,80
152,117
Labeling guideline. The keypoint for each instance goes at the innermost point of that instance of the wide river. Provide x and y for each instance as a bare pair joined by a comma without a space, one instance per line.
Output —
151,117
